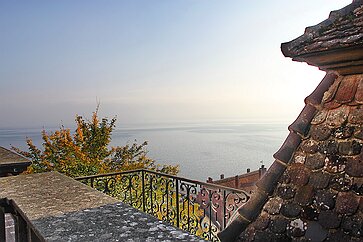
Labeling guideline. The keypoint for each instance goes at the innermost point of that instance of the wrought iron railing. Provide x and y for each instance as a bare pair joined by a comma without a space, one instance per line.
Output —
200,208
24,229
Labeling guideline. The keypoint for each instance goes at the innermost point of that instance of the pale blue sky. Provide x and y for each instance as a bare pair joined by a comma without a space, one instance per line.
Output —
154,61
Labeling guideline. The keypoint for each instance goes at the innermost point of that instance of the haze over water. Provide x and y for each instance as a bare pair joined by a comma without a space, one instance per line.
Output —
201,150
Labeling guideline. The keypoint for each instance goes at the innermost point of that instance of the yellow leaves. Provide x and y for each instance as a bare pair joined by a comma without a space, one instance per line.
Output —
87,151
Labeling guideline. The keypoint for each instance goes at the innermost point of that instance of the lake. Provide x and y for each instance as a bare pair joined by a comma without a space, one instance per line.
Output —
201,150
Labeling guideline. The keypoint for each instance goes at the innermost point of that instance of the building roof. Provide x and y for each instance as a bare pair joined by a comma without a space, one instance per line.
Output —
334,43
313,190
11,162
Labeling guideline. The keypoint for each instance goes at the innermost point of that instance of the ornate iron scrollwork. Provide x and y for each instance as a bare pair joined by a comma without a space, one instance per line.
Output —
200,208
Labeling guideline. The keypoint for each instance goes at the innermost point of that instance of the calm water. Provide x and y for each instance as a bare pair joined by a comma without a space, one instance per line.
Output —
202,151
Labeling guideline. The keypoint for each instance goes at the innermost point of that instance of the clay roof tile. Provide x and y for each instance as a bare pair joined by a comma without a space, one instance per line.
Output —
346,90
359,93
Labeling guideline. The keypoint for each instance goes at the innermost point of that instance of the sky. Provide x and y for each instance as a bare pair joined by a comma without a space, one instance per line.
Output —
154,61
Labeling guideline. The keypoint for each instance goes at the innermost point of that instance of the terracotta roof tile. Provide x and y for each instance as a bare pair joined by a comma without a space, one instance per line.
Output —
313,190
313,178
268,181
346,90
287,149
318,94
257,201
359,94
302,123
336,32
330,94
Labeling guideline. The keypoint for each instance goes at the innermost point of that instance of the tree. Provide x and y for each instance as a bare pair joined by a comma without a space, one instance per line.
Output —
87,151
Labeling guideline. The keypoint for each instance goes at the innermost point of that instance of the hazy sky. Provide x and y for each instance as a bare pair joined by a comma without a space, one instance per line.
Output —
154,60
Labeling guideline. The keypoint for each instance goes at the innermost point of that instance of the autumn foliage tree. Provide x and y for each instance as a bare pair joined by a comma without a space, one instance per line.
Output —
87,151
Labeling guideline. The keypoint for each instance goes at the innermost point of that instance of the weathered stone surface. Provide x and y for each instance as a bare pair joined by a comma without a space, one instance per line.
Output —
62,209
337,117
354,167
299,158
338,236
50,194
304,195
286,192
265,236
278,225
319,117
341,182
315,161
343,132
310,213
350,148
320,132
319,179
358,133
329,219
315,232
347,203
330,147
113,222
353,225
290,209
296,228
335,163
310,146
356,115
325,199
262,221
299,174
273,205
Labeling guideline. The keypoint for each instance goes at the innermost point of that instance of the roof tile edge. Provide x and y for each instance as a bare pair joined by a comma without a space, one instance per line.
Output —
266,184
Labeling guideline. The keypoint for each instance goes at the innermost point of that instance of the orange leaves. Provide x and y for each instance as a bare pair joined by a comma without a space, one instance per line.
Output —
87,151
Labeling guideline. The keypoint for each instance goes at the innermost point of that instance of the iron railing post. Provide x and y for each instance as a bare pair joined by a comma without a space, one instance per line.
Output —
2,224
21,230
143,190
224,221
177,202
167,199
211,213
92,179
151,195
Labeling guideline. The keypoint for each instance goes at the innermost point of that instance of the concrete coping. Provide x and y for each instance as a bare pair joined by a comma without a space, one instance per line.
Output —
62,209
